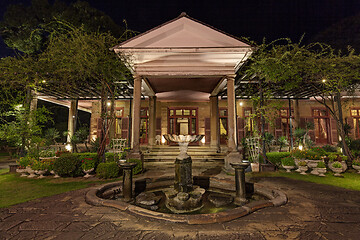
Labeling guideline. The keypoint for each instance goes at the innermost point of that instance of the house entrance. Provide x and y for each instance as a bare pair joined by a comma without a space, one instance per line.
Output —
182,121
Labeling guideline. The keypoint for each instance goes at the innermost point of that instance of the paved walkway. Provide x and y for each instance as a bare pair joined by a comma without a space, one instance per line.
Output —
313,212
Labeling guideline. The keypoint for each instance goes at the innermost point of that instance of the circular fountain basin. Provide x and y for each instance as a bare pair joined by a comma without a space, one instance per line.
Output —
103,195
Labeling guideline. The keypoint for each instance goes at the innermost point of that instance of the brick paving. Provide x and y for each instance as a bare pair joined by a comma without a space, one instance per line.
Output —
312,212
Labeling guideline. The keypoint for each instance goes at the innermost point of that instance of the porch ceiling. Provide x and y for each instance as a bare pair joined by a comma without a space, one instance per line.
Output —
196,84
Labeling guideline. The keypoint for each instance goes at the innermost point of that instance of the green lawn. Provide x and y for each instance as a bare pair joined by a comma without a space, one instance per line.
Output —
15,189
349,181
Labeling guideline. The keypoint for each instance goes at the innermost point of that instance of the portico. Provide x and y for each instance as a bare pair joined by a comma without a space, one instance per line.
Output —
180,67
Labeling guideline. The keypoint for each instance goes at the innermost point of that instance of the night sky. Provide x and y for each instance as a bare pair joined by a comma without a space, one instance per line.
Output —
255,19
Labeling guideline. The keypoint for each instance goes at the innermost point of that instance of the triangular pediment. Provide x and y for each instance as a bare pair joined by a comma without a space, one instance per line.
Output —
183,32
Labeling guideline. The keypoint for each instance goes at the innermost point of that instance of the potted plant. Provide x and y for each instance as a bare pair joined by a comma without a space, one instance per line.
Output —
356,164
313,159
337,168
288,163
303,167
321,169
23,163
254,163
338,158
87,165
298,156
39,167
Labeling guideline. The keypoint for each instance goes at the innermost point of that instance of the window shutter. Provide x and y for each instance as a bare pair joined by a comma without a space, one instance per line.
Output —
334,133
241,129
207,130
158,126
125,128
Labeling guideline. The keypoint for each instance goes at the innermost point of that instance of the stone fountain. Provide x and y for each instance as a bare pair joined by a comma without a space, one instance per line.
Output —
183,197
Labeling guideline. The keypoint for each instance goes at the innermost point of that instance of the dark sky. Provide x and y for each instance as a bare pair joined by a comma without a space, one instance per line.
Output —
252,18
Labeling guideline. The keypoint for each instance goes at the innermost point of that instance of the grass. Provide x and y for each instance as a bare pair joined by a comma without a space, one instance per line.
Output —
15,189
349,181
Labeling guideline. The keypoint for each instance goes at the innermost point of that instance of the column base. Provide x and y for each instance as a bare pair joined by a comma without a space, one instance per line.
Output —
232,157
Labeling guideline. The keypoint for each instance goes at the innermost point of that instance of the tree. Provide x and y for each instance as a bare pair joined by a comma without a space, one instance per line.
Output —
291,67
76,59
25,28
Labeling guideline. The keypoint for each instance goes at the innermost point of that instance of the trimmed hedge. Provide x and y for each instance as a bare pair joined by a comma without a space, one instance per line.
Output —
68,165
138,169
275,157
107,170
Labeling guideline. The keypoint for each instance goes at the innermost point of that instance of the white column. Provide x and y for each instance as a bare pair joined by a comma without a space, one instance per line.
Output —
214,123
135,127
152,120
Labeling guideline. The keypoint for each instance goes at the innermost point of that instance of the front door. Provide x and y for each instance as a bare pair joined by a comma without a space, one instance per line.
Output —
182,121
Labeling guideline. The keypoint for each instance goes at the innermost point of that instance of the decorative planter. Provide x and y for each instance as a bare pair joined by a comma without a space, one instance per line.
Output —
255,167
343,164
54,173
357,168
288,168
31,172
41,173
313,165
321,171
297,164
87,173
303,170
337,172
23,172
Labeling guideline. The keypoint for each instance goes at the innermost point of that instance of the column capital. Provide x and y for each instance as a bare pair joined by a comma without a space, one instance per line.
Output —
230,77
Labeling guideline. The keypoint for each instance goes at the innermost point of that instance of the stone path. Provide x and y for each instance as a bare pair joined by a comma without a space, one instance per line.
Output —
313,212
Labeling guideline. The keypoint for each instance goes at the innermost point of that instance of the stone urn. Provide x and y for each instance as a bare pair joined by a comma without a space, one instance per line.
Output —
357,168
321,171
288,168
313,165
297,164
303,170
41,173
23,172
87,172
31,172
54,173
337,172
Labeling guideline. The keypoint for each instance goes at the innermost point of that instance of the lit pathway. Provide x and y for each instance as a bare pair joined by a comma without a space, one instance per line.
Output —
313,212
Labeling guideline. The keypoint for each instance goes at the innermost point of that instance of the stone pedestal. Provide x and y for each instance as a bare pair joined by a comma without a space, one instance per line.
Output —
240,198
127,180
183,175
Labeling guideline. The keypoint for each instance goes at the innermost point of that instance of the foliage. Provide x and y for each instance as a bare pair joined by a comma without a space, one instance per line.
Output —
282,141
302,163
321,165
25,161
59,153
311,155
107,170
356,162
94,145
47,153
336,164
269,140
299,134
337,157
329,148
275,157
298,154
87,163
68,165
51,135
138,168
288,161
25,28
319,150
80,136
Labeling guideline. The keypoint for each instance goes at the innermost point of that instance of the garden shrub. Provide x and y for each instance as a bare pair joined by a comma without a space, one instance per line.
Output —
319,150
107,170
321,165
275,157
68,165
25,161
329,148
288,161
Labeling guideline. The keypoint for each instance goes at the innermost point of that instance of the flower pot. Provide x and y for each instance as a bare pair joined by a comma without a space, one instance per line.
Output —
313,165
303,170
321,171
288,168
255,167
337,172
357,168
41,173
23,172
31,172
54,173
297,164
87,173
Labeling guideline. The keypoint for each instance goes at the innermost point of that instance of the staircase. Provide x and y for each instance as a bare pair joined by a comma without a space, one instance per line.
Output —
169,153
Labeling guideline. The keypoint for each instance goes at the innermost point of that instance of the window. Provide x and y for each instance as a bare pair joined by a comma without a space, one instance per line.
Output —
355,113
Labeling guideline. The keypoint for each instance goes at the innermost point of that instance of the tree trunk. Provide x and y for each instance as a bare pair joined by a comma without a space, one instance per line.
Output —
102,137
